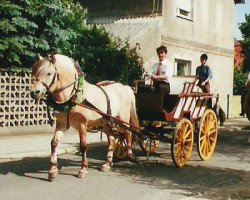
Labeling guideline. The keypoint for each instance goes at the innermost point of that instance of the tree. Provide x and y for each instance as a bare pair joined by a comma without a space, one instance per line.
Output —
245,30
28,27
239,81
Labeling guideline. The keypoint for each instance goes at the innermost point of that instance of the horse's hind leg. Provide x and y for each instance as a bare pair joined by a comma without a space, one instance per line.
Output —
109,162
83,146
53,170
128,137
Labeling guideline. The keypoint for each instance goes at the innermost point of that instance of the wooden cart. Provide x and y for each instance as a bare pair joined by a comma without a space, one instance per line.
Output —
185,117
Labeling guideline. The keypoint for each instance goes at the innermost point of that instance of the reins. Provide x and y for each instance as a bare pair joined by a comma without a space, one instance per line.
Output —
65,87
111,118
52,82
80,74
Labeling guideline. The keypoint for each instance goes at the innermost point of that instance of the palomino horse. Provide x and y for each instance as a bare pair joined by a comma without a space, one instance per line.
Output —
57,77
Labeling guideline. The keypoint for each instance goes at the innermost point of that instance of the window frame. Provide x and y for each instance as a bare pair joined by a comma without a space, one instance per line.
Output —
187,67
184,13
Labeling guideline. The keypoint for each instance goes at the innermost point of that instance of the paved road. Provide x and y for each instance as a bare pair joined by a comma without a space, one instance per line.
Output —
225,176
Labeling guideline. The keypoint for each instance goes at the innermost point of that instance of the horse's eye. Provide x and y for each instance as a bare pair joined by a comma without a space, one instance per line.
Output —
48,74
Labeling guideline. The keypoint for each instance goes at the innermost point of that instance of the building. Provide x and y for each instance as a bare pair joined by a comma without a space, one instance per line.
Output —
188,28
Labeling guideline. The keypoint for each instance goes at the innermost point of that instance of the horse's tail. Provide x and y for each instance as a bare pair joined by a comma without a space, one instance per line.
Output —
222,116
219,113
133,114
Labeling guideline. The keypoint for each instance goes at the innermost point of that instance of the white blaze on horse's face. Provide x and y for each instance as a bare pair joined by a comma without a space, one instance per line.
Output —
43,78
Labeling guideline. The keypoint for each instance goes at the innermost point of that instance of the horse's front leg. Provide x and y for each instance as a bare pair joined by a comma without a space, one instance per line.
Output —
83,146
53,170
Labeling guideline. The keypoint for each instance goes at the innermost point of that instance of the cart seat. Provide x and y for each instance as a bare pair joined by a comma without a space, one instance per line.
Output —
145,88
171,101
151,104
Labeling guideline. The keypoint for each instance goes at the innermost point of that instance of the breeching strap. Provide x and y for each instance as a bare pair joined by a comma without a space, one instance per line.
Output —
108,100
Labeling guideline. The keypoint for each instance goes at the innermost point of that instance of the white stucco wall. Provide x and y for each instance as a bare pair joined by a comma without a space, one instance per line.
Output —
149,40
210,31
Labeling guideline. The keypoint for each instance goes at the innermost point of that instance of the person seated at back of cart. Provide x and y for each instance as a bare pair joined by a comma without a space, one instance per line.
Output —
161,72
203,74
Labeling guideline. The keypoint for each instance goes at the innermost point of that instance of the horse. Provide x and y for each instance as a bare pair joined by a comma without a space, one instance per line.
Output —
57,76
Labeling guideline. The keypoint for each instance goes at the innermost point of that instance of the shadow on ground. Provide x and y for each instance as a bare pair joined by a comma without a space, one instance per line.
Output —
159,172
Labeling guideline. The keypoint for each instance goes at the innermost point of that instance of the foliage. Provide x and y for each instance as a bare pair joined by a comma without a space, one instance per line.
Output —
245,30
239,81
29,27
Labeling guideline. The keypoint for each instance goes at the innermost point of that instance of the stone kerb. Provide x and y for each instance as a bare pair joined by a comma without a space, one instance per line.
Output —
18,112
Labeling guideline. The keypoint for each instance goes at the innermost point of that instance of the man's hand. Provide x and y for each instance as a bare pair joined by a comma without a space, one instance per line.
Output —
203,83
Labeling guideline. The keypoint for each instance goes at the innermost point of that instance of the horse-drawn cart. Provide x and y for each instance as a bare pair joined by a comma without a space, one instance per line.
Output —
82,105
186,116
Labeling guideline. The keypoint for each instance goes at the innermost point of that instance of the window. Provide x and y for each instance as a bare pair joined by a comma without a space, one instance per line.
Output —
185,9
182,67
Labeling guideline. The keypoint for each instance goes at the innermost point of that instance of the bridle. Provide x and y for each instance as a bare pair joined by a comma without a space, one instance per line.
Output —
48,87
53,81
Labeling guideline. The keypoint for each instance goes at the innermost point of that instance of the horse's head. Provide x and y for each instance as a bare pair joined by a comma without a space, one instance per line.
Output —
44,77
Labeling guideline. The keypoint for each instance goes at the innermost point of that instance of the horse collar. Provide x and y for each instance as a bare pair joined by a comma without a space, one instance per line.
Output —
58,108
53,104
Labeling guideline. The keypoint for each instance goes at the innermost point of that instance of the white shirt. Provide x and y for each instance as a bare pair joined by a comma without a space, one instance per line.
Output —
165,70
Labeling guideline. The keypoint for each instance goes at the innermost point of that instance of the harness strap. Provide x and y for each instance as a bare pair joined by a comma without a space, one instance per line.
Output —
79,69
90,106
108,100
63,88
52,82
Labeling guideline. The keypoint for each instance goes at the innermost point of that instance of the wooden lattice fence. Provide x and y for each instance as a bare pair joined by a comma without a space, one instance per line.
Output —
17,109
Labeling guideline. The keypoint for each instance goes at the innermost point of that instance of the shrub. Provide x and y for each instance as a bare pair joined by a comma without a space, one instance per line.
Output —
29,27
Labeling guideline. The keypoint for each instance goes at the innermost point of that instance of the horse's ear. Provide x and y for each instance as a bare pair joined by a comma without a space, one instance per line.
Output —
39,57
53,58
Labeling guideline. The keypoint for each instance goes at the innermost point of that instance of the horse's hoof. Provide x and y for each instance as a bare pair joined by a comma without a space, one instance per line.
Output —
52,174
105,167
82,173
132,158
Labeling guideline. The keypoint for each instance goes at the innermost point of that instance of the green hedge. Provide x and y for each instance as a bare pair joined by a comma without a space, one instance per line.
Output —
29,27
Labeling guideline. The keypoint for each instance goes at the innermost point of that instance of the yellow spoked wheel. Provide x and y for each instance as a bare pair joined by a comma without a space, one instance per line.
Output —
182,143
208,132
120,148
